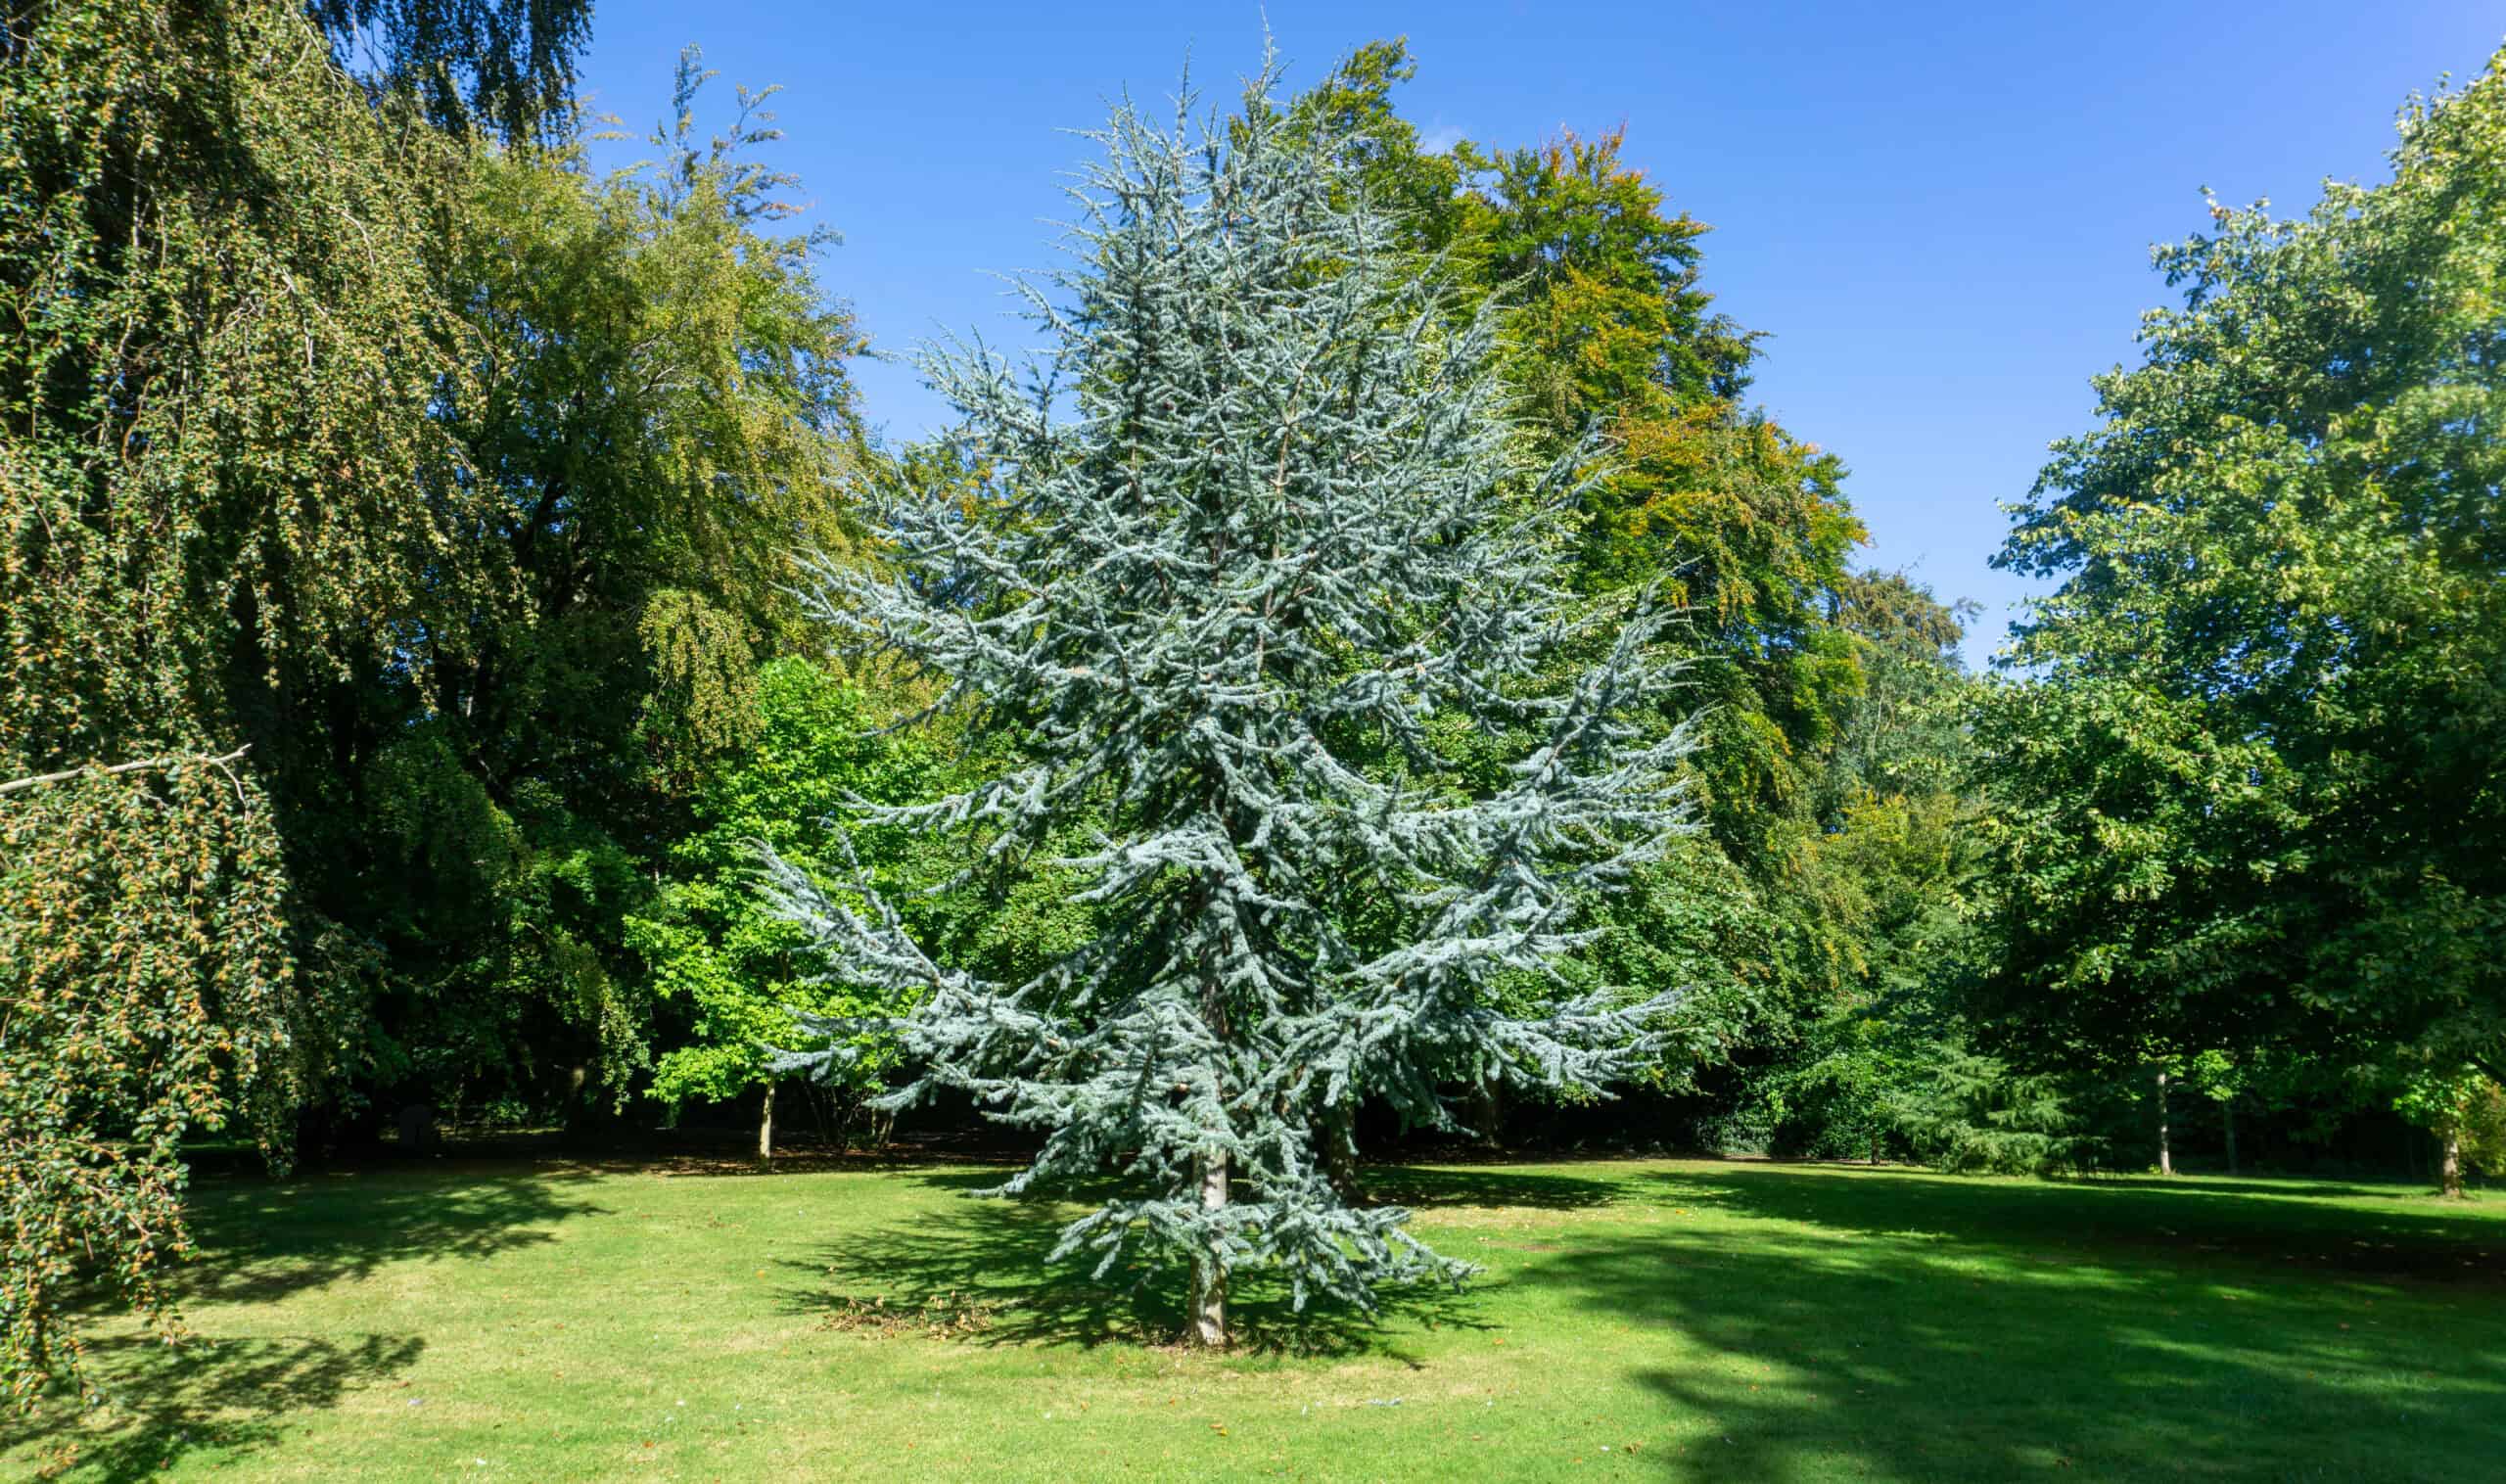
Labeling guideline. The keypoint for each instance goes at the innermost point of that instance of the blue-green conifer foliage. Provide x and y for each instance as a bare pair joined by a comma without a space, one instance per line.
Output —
1257,541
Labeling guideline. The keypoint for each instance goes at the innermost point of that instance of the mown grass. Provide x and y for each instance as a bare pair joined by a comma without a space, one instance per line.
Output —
1670,1320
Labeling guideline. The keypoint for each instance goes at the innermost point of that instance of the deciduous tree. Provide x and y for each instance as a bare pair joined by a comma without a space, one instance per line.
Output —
2254,786
215,471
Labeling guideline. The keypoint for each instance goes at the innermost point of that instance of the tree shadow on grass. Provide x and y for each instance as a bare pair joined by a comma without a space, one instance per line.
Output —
1429,1187
981,1272
2232,1185
1906,1327
209,1396
2181,1222
261,1240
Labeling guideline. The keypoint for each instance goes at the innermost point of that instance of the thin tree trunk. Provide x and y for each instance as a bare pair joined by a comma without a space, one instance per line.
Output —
579,1112
2165,1153
1209,1276
1488,1111
2227,1117
766,1125
1338,1153
1209,1273
820,1101
2449,1175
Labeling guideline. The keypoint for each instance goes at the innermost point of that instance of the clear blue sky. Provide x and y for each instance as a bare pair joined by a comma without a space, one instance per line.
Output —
1941,218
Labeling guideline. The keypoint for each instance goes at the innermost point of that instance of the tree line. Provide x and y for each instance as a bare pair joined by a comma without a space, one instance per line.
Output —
426,553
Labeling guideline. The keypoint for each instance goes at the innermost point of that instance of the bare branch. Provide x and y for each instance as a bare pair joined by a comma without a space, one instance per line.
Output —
176,760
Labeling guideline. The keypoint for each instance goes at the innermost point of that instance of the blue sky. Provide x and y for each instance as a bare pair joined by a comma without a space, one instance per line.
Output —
1940,217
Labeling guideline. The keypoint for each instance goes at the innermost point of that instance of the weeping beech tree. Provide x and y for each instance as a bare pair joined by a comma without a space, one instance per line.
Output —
216,473
1259,571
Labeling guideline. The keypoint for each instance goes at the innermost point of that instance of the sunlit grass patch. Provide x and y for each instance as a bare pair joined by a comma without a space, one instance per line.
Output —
1677,1320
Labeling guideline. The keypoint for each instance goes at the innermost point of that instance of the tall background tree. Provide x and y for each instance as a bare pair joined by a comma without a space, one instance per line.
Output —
2251,794
1803,665
222,338
504,68
410,507
658,410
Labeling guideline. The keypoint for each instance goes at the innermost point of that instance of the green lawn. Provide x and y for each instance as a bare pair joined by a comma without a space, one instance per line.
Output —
1677,1320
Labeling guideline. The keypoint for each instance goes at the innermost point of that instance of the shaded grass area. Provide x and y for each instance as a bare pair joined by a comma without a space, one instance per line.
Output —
1668,1319
985,1275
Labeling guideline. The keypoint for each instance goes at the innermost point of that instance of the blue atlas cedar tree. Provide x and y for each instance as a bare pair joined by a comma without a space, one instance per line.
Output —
1259,545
